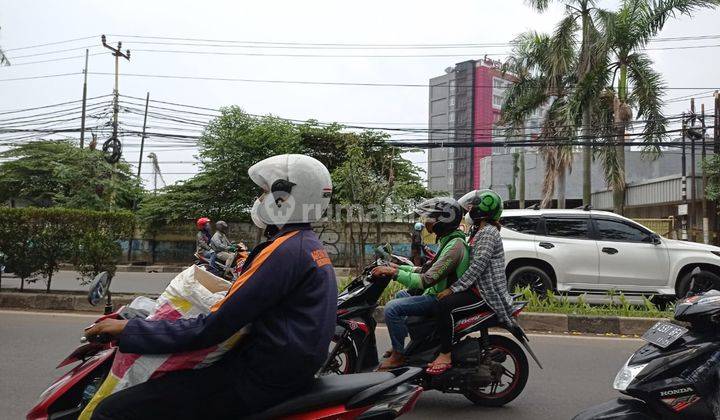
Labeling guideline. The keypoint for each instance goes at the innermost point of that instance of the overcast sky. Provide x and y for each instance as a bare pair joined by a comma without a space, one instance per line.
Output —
27,23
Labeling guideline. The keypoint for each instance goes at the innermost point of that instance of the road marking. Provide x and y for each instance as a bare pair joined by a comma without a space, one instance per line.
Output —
49,313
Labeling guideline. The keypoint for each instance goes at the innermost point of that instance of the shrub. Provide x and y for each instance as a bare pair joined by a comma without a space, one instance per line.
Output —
37,240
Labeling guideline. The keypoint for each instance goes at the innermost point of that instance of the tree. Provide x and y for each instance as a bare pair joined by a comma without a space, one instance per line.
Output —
53,246
50,173
544,67
585,12
631,83
236,140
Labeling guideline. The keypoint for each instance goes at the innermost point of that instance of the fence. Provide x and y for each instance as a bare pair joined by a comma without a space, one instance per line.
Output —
663,227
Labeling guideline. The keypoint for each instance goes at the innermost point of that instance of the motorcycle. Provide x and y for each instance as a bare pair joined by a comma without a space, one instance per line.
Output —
386,395
489,370
674,375
228,272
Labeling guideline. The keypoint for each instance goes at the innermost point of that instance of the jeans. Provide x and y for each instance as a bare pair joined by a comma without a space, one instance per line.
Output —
403,306
212,256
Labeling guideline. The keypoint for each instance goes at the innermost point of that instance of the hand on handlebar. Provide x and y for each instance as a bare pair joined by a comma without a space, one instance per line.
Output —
110,327
384,271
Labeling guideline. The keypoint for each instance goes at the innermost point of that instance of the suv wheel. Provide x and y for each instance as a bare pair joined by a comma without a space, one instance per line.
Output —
528,276
703,281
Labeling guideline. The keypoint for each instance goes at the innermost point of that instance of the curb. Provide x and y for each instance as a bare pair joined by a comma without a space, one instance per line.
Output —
339,271
530,321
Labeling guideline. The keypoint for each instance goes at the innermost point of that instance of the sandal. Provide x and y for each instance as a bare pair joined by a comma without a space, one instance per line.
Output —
387,354
438,368
387,365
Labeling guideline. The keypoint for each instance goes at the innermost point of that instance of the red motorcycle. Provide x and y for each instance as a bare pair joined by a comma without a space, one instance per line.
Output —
386,395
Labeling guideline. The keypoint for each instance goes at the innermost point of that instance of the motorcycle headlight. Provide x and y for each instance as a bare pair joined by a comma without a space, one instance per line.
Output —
626,375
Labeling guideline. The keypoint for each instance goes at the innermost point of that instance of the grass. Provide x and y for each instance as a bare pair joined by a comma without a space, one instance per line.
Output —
618,304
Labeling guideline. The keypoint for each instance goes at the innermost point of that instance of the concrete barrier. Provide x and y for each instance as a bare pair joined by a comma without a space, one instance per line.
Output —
530,321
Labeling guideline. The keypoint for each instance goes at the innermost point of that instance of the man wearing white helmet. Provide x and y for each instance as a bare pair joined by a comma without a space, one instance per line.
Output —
287,291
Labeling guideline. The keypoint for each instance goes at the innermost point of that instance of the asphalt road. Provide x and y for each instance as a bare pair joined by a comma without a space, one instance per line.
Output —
578,370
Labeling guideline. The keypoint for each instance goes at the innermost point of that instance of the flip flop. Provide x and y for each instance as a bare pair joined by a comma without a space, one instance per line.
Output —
385,366
387,354
438,368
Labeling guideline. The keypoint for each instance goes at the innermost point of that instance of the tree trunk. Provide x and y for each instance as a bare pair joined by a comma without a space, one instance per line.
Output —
619,190
587,158
49,281
561,181
22,284
521,188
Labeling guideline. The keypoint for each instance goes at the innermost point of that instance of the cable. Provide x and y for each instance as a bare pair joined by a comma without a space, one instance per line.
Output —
45,76
50,43
15,111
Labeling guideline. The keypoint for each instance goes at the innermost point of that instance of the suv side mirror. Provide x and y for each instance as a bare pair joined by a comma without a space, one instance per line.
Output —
99,288
655,239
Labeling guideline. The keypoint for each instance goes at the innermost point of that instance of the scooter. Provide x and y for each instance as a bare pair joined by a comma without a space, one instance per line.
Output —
385,395
489,370
674,375
228,272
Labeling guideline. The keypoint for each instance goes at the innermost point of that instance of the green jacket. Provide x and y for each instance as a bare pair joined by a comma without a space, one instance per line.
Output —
450,264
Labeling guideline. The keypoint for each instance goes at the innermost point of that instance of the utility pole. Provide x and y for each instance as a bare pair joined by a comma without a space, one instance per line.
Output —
114,143
84,101
705,220
683,185
142,146
716,151
693,185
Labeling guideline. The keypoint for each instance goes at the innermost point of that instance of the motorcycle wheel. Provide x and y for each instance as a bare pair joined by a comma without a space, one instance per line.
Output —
512,380
344,362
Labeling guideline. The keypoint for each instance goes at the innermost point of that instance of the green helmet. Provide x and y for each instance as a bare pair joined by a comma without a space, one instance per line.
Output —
482,205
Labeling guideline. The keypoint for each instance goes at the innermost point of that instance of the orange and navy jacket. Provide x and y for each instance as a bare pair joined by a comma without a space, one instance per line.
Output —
287,291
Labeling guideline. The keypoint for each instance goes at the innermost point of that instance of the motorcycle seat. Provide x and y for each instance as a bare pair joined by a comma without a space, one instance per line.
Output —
325,392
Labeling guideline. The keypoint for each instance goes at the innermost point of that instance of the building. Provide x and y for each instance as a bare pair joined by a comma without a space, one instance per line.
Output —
465,105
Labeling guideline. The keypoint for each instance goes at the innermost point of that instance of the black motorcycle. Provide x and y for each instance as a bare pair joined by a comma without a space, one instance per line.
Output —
674,375
488,369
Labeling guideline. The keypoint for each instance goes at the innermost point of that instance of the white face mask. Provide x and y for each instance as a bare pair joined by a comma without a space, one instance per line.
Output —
255,216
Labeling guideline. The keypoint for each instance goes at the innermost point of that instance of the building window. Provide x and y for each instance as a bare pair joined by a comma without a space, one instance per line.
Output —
498,101
451,101
451,116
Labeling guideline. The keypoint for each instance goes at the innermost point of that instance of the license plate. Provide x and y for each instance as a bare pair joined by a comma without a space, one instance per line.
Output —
664,334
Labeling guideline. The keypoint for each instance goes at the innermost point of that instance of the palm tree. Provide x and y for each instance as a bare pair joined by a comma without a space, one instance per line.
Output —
3,58
544,67
633,83
582,11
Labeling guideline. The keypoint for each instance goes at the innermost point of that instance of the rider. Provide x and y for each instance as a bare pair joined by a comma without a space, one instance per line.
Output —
224,249
287,291
442,217
202,240
416,244
483,280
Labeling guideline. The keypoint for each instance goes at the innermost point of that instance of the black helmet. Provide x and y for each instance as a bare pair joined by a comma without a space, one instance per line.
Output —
444,211
482,205
221,226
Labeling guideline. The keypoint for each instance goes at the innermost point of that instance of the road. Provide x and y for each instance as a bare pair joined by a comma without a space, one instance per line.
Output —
578,370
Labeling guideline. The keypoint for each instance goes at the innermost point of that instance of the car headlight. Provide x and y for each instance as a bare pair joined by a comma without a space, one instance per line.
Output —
626,375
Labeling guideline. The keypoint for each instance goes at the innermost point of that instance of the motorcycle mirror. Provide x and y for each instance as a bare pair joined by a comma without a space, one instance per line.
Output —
99,288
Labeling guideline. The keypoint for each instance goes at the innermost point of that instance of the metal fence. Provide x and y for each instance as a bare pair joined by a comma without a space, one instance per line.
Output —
663,227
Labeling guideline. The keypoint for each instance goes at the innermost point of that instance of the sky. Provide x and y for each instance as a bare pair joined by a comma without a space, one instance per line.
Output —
385,23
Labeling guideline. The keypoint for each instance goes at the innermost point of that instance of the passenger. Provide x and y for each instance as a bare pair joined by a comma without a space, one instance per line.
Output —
288,292
484,280
442,217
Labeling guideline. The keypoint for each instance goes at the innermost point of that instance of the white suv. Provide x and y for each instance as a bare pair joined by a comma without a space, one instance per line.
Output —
595,251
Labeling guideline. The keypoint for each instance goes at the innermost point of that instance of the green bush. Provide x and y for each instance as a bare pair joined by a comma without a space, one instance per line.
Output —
37,240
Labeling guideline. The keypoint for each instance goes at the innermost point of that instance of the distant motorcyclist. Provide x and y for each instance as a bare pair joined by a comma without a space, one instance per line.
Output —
202,240
224,249
416,244
287,291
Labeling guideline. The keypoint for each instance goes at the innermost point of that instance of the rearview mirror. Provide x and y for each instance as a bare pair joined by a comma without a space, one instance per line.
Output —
99,288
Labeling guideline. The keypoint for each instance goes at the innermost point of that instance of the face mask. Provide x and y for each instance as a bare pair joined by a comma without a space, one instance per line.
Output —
255,216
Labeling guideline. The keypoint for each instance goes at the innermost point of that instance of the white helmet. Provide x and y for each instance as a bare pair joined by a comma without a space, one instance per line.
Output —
297,189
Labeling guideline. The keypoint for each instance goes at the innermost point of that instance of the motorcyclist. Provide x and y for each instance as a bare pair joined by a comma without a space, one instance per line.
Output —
224,249
416,243
202,240
287,291
442,217
483,280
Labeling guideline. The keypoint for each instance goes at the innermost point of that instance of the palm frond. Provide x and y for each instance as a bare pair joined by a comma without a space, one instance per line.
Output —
646,93
664,10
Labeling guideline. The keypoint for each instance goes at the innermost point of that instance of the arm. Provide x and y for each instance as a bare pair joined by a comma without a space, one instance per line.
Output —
202,242
482,254
263,290
445,264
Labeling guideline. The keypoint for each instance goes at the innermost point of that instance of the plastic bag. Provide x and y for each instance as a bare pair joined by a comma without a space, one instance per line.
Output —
191,293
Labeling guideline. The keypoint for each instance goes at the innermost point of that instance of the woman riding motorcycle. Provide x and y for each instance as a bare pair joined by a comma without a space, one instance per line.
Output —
287,291
442,217
484,280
